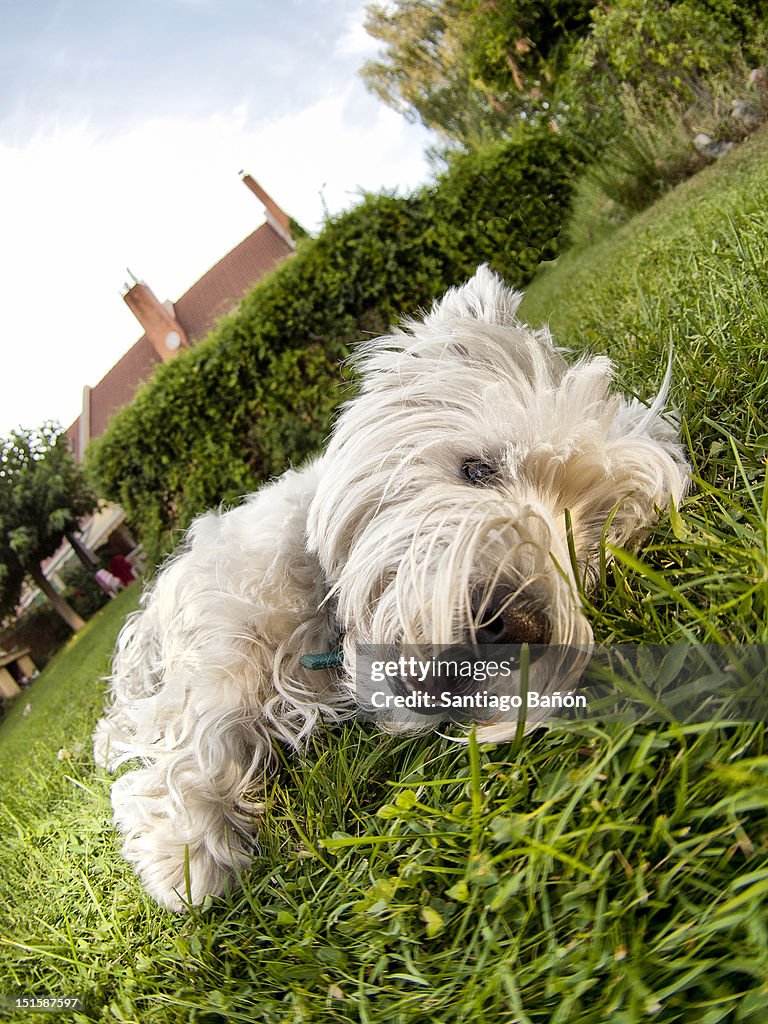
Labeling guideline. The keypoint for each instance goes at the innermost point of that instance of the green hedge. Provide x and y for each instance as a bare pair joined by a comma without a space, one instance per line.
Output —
260,391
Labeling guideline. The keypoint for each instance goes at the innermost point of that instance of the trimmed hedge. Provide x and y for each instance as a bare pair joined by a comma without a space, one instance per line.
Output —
260,391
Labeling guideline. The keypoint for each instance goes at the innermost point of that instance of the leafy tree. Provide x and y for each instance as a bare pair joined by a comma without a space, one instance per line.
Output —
42,496
472,69
469,69
640,53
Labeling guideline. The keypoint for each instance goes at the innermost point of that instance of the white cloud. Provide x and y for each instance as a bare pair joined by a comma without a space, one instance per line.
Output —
354,40
77,207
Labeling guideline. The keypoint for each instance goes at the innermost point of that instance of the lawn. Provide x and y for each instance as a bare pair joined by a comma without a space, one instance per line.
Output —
589,874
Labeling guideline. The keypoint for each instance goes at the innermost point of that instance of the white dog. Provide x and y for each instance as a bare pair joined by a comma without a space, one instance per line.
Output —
436,515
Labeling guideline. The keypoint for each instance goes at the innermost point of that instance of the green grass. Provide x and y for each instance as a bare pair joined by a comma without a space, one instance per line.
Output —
64,700
594,874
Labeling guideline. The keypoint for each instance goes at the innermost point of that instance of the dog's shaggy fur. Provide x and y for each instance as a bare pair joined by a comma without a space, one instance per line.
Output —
436,515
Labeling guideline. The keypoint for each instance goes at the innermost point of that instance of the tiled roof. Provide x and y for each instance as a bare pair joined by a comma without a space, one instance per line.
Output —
116,389
119,386
221,288
216,293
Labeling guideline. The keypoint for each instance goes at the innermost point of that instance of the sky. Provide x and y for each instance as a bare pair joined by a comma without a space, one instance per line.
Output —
123,129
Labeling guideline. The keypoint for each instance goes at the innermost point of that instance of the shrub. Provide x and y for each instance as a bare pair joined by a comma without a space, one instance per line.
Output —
648,78
260,391
503,205
656,49
82,591
653,151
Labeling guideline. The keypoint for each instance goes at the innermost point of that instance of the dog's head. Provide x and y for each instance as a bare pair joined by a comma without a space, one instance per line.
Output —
448,482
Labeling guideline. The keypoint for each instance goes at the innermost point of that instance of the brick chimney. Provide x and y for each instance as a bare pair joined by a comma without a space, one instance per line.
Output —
276,216
157,318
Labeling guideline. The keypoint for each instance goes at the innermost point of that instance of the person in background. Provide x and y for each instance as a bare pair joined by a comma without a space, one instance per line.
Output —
120,566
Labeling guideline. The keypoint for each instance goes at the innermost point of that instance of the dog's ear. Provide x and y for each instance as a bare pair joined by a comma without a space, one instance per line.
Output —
483,297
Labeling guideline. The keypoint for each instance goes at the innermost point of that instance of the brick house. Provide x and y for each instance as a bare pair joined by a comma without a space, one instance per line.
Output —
170,327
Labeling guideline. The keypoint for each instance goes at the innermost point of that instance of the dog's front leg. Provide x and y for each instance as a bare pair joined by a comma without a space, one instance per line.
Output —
207,677
186,827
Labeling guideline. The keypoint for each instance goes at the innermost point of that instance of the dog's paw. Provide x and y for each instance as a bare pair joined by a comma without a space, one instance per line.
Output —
177,876
179,858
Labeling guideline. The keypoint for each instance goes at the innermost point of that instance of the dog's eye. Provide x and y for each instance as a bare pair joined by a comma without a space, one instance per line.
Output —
477,472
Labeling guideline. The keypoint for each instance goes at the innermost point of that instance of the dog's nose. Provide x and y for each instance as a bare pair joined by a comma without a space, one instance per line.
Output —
499,620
